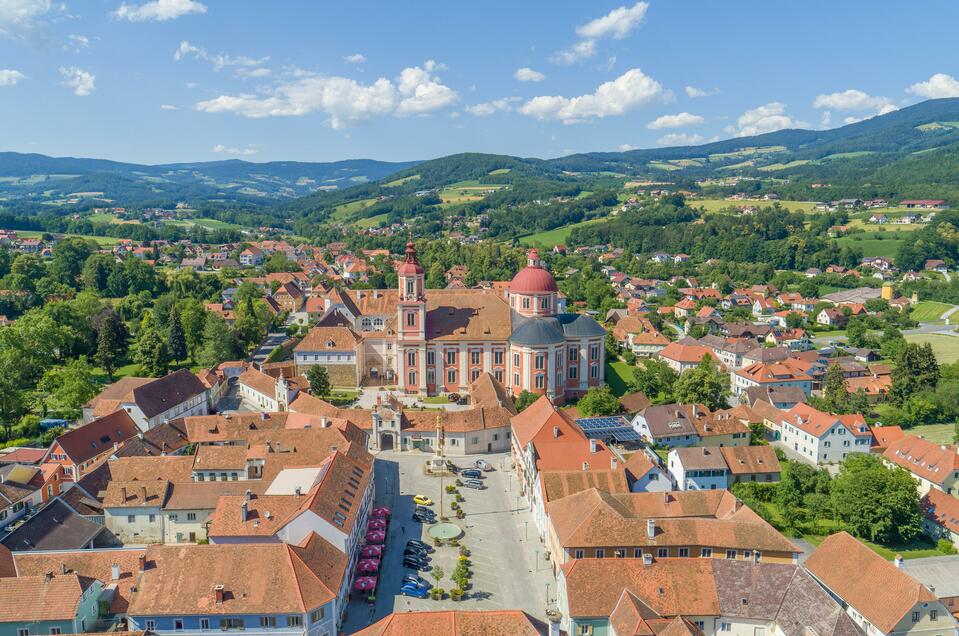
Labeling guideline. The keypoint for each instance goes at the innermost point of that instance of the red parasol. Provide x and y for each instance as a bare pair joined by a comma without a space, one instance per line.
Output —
376,524
375,536
381,511
365,583
368,565
371,551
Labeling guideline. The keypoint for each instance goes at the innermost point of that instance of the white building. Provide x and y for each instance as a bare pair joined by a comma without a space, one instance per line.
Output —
822,438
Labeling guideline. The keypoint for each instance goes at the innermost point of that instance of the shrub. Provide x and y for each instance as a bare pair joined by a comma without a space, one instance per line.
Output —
454,542
945,546
450,489
459,482
456,593
464,551
460,514
460,498
437,593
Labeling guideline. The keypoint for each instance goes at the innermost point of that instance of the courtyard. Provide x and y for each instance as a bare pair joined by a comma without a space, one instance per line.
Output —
507,559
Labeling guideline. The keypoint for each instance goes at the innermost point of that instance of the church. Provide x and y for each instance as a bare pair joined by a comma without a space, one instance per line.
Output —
428,342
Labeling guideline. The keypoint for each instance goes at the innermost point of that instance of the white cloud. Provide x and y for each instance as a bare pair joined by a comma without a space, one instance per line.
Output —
694,93
79,81
854,100
626,147
10,77
679,120
220,149
577,52
256,72
939,85
826,119
356,58
159,10
488,108
20,17
680,139
76,42
167,107
526,74
618,23
416,92
628,91
218,60
763,119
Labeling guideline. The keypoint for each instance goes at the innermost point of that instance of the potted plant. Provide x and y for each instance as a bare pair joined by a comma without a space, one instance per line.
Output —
456,593
460,514
459,482
460,498
437,593
450,489
454,543
464,551
437,542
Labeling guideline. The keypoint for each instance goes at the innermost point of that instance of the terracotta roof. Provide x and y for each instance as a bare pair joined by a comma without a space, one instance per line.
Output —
557,484
638,465
871,385
745,460
700,458
167,438
487,391
941,508
816,423
924,458
99,436
194,495
164,393
539,415
764,372
259,381
883,436
7,565
634,402
41,598
686,352
136,494
466,420
471,314
256,578
329,339
110,398
457,623
691,518
874,587
23,456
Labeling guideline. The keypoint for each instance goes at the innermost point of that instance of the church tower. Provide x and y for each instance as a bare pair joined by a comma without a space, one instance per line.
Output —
411,321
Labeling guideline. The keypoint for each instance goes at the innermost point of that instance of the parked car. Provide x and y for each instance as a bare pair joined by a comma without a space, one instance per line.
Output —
415,564
414,590
471,473
422,500
418,581
424,510
417,554
476,484
423,518
422,545
483,465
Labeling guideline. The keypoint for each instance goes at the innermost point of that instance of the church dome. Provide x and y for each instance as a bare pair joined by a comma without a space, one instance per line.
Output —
533,279
412,266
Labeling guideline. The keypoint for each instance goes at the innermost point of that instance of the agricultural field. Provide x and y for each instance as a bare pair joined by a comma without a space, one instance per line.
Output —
783,166
936,433
944,346
372,221
716,205
929,311
887,246
210,224
399,182
466,191
344,211
557,236
499,171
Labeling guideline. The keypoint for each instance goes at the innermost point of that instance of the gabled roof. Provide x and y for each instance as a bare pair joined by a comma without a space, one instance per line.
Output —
164,393
874,587
942,509
99,436
329,339
457,623
924,458
41,598
817,423
55,527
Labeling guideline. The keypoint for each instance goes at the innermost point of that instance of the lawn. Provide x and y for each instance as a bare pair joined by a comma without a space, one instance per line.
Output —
399,182
555,236
345,210
945,347
929,311
618,376
372,221
936,433
715,205
887,247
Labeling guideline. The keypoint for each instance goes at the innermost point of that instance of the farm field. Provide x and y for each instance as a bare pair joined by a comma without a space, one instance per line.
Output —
887,246
399,182
929,311
466,191
102,240
715,205
945,347
557,236
372,221
210,224
342,212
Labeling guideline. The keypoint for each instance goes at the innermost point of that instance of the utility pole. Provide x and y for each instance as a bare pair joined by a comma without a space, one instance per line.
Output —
440,440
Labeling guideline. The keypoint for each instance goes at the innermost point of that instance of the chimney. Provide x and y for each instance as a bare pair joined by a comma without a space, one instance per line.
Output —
298,491
116,445
140,434
142,562
249,494
218,593
143,493
555,432
115,572
585,466
695,410
651,528
613,463
554,620
898,561
647,558
123,493
593,446
324,422
243,511
63,568
376,293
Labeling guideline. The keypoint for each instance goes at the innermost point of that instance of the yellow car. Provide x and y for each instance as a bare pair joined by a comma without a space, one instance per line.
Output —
422,500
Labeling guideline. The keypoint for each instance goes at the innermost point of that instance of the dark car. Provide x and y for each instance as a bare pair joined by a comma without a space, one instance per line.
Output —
422,545
415,564
424,510
413,554
421,518
471,473
418,581
474,483
414,590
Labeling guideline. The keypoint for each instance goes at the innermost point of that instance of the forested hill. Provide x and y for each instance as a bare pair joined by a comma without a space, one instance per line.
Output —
34,177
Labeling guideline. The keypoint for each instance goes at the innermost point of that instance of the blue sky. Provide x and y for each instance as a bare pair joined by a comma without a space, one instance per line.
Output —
157,81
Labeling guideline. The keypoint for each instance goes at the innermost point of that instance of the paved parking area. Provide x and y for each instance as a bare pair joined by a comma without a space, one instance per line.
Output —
508,567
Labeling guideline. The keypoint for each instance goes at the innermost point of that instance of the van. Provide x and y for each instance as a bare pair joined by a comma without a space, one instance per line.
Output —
471,473
474,483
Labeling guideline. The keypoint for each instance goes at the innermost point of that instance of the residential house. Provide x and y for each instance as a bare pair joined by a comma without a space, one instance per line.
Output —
877,595
940,513
57,527
781,397
266,392
933,466
150,402
719,468
776,374
822,438
81,449
48,604
832,317
936,265
638,335
458,623
289,297
252,256
925,204
644,473
337,349
685,354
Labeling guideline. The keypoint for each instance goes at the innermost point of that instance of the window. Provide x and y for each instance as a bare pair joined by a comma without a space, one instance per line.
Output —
747,555
178,624
409,287
578,554
451,357
411,358
684,552
594,352
498,374
915,617
540,381
153,518
539,361
600,553
730,554
294,621
933,615
23,631
131,518
515,359
199,477
525,303
151,625
430,357
430,376
451,376
234,477
662,553
497,357
707,552
411,378
474,356
573,353
585,630
594,371
725,627
204,623
410,319
515,382
573,372
317,614
637,553
230,623
222,476
268,621
758,556
191,516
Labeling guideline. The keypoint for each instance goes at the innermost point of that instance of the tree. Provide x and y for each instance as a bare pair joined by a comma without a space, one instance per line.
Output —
319,379
598,400
703,384
856,333
65,389
69,257
524,399
834,393
655,378
916,370
176,337
151,352
219,344
193,318
111,341
875,502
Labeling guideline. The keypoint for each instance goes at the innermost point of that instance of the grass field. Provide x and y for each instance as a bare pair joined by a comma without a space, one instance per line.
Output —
102,240
945,347
618,376
783,166
466,191
499,171
887,246
554,237
399,182
715,205
936,433
210,224
372,221
929,311
103,218
344,211
662,165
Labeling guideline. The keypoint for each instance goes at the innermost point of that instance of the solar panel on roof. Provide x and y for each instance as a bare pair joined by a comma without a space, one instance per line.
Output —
614,428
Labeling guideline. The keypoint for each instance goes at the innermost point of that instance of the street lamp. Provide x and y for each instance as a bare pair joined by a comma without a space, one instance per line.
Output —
547,593
526,530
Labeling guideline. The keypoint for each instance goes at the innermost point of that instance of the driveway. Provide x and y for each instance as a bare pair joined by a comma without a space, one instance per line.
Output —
507,562
367,400
273,340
